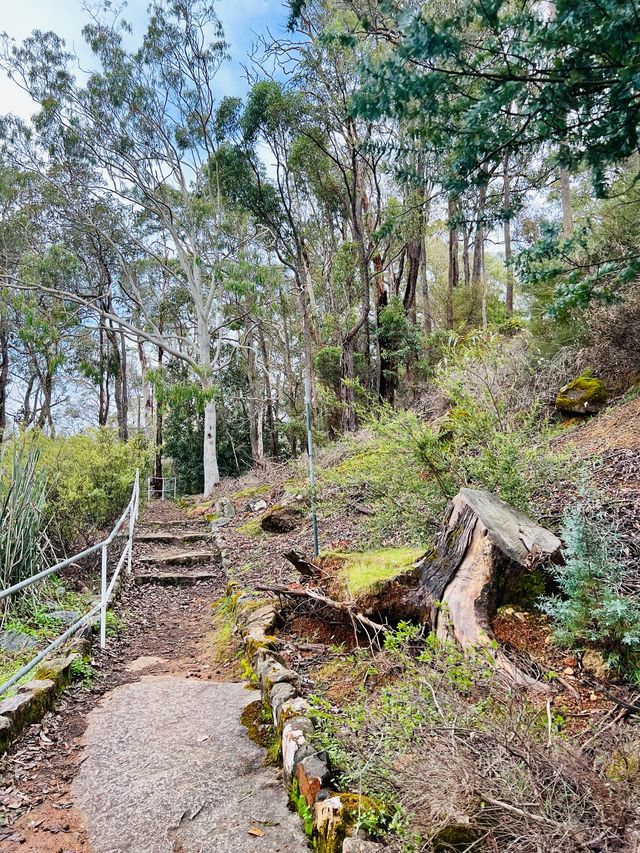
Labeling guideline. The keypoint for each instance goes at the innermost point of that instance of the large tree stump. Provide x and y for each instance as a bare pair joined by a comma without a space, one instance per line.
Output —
481,551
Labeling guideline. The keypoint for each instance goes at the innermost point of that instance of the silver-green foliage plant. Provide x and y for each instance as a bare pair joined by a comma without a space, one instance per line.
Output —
593,609
22,515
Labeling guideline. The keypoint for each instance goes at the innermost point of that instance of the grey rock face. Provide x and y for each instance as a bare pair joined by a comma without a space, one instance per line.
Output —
15,642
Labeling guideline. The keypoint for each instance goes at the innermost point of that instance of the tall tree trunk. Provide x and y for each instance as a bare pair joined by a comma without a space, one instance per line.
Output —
4,375
254,405
478,247
124,432
116,370
453,261
268,393
359,212
483,274
159,433
27,409
348,415
209,452
347,373
507,236
565,195
414,254
103,406
427,318
466,266
147,403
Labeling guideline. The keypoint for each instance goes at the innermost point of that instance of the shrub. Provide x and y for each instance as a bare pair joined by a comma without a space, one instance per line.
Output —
23,539
408,469
462,762
89,478
593,610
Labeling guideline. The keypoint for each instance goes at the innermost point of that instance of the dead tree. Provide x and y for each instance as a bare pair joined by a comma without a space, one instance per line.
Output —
482,551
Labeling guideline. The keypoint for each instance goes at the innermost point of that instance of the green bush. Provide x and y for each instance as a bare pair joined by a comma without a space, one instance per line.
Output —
89,478
408,469
593,610
23,540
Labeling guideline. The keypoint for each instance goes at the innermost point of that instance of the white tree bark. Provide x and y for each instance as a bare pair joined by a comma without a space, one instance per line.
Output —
210,454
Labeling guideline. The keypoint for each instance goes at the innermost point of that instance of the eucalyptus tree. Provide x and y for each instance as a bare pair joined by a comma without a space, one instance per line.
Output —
490,82
143,123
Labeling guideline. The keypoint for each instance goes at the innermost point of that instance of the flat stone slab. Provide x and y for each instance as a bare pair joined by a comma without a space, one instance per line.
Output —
174,578
173,538
167,767
184,558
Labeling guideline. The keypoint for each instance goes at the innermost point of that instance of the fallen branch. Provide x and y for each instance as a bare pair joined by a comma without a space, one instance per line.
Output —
314,595
306,568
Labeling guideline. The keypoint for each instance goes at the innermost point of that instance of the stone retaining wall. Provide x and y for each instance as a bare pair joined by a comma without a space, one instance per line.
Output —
329,816
33,699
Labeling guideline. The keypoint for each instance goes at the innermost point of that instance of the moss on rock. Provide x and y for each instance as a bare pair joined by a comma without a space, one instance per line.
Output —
584,395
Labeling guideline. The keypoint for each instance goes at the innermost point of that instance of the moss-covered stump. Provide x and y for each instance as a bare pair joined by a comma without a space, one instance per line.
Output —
585,395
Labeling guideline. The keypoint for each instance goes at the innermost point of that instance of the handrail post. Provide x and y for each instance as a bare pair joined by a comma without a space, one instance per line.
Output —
132,521
103,600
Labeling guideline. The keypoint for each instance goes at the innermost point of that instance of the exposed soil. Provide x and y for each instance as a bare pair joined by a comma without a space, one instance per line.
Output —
256,556
164,630
618,427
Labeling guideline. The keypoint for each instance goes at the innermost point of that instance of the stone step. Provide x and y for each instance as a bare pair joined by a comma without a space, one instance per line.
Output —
186,558
181,522
174,578
173,538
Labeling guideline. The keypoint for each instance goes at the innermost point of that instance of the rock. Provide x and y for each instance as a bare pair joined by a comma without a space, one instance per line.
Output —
224,508
358,845
272,672
596,664
294,743
280,694
257,506
295,707
585,395
65,617
312,774
281,519
15,642
264,617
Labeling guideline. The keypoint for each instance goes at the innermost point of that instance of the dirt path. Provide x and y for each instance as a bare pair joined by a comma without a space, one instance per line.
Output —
152,756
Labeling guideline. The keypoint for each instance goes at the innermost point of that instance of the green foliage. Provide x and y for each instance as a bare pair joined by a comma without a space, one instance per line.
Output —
23,542
82,671
363,571
493,437
593,610
506,75
399,338
302,807
89,479
326,363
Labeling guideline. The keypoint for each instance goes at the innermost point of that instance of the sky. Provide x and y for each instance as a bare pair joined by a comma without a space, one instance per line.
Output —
241,19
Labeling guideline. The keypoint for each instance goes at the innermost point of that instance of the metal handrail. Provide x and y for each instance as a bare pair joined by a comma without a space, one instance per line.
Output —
164,490
106,588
